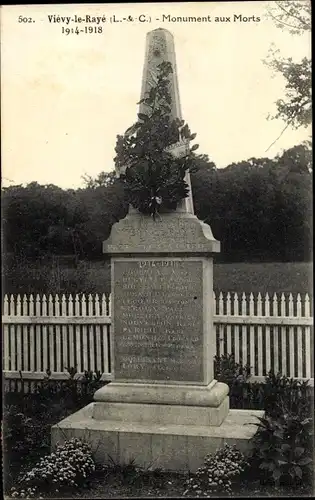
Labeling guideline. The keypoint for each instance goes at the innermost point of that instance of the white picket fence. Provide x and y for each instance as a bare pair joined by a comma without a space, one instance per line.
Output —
267,333
57,333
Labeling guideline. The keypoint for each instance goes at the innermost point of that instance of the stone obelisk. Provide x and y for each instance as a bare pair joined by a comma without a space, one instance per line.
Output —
159,48
164,405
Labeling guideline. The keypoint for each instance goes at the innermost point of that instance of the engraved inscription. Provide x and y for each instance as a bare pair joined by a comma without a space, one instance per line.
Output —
158,320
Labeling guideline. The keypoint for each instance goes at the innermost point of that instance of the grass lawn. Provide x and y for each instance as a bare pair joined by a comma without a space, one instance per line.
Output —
94,277
271,277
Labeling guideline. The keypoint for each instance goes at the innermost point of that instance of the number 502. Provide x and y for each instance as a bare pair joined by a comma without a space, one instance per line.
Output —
25,19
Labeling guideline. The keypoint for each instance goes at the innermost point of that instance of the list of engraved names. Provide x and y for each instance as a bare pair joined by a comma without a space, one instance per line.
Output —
158,320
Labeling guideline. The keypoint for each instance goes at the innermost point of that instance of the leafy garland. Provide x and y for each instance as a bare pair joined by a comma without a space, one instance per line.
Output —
152,175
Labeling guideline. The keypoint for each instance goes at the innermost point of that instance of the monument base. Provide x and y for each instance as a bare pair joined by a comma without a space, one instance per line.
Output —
174,431
174,447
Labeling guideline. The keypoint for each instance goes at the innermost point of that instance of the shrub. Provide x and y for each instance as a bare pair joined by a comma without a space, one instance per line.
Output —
293,395
283,449
218,473
21,434
128,472
73,393
68,467
283,444
70,394
227,370
275,392
243,394
28,418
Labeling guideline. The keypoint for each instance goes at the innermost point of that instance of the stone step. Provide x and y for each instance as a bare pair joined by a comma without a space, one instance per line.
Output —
158,414
169,447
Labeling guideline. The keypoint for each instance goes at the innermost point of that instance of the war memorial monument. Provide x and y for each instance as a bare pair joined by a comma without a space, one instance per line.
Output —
164,408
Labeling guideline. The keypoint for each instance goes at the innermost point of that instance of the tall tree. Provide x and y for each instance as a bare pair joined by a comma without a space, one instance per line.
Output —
37,219
291,15
295,108
104,179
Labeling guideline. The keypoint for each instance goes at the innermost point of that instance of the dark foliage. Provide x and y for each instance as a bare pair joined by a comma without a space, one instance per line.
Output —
272,395
28,417
287,394
260,209
283,449
295,107
284,443
227,370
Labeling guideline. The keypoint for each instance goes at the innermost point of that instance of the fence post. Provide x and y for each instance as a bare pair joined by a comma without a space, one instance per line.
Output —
260,371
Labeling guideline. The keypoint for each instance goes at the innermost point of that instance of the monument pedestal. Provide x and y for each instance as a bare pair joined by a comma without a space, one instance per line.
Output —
164,409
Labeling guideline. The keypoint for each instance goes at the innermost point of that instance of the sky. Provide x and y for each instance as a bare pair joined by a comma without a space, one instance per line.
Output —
64,98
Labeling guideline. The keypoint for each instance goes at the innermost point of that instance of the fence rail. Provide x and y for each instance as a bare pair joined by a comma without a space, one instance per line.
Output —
56,333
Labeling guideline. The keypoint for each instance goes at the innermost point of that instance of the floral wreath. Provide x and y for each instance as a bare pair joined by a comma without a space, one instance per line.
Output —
153,155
